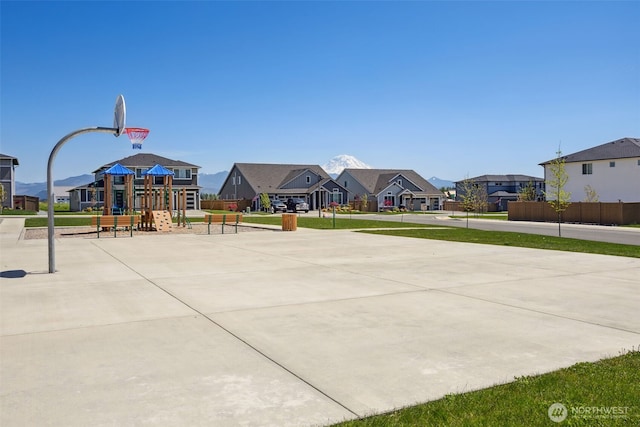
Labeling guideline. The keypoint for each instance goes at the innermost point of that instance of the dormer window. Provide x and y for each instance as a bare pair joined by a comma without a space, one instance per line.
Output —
308,179
399,182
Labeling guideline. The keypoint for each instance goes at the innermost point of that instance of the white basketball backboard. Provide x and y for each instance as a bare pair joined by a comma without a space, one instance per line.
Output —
119,116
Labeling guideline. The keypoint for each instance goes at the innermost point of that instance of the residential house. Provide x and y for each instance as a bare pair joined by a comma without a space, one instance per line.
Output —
612,170
501,189
391,188
281,182
61,193
92,194
8,178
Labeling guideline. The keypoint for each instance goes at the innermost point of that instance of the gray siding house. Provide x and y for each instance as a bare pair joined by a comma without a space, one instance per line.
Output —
8,178
92,194
501,189
392,188
281,181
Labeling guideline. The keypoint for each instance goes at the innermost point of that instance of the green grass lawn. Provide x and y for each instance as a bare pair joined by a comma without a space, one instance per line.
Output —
62,213
498,216
59,221
504,238
327,223
608,383
6,211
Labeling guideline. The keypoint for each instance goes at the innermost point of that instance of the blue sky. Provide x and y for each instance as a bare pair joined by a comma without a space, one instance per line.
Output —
450,89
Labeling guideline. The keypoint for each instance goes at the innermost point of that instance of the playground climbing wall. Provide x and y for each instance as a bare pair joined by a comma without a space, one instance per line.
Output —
162,220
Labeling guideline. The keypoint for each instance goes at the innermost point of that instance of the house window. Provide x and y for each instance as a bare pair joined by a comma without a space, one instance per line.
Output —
308,179
182,173
345,183
612,164
400,182
239,179
140,172
587,168
498,184
336,196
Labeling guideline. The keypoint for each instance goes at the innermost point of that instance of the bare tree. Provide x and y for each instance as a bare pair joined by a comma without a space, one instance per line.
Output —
557,197
591,195
364,202
480,198
3,197
527,193
466,193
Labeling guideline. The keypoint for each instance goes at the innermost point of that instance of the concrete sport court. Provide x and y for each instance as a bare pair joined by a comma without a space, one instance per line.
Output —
300,328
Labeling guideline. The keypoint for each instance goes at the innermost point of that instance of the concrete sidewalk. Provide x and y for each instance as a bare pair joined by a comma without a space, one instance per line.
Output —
289,328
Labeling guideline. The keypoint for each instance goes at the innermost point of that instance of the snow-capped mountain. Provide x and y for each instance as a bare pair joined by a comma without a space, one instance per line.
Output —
441,183
344,161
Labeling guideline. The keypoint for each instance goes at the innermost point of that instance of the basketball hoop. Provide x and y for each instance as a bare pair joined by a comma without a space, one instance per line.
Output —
136,136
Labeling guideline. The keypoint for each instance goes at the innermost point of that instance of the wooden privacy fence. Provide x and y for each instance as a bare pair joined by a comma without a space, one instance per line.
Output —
226,205
28,203
616,213
371,206
450,205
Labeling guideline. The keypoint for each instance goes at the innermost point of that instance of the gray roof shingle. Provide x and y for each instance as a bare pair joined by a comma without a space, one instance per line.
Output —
376,180
505,178
619,149
147,160
272,177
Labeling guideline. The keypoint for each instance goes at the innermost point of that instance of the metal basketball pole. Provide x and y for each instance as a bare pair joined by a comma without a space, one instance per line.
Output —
52,156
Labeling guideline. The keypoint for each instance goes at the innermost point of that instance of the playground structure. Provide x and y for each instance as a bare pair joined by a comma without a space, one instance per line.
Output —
156,202
125,205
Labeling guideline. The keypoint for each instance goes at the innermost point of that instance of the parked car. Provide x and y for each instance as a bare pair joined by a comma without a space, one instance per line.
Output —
295,205
278,206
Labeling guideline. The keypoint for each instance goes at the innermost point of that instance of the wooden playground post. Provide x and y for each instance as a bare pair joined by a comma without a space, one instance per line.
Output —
168,191
128,185
184,207
106,208
147,202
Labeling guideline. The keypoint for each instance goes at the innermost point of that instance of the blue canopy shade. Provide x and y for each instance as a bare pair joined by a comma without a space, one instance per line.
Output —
118,169
158,170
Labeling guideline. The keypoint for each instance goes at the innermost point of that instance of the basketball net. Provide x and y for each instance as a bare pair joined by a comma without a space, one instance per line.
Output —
136,136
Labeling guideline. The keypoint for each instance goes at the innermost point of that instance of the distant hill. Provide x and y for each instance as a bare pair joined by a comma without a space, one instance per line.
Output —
439,183
39,189
211,182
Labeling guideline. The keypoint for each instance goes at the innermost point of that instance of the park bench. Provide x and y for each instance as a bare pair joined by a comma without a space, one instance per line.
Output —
114,221
224,219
